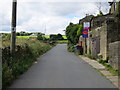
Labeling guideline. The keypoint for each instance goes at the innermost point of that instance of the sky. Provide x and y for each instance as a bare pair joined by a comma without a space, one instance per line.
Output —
49,17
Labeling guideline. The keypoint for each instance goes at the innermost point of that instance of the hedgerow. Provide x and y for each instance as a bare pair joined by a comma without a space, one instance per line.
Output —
25,55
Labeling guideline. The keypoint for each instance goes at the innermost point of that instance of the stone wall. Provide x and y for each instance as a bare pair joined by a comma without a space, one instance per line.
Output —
108,33
113,33
95,46
89,45
104,30
99,41
114,54
103,41
98,20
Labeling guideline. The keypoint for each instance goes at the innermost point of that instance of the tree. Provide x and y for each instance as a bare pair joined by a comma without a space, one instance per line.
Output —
17,34
53,37
71,33
56,37
99,5
39,37
59,37
79,32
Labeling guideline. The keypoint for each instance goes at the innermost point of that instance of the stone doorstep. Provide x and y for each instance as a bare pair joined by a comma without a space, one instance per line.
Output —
112,78
97,66
106,73
115,77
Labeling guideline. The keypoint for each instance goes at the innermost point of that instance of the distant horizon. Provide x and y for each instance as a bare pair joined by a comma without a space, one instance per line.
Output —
34,32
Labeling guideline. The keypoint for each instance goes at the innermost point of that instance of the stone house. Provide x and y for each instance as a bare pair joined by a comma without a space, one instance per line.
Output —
97,41
100,35
103,34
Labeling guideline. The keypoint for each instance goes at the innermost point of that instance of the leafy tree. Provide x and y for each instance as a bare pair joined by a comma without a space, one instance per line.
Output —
53,37
39,37
17,34
79,32
71,33
56,37
59,37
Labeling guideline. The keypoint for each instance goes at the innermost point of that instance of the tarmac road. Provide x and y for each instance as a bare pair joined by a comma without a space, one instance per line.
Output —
59,68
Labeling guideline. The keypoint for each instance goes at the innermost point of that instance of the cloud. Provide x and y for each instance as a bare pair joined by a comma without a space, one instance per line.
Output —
49,17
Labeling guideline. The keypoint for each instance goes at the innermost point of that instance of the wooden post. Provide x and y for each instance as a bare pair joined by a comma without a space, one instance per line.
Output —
13,26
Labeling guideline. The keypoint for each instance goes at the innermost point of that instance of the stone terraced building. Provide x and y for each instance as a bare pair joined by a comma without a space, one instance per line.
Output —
104,36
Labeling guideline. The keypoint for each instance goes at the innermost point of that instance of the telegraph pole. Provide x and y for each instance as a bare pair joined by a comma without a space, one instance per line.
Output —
13,27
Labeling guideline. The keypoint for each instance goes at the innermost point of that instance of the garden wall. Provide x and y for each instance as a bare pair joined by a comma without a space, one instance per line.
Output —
114,54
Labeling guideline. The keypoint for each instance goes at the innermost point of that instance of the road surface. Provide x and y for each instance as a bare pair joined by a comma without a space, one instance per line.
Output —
59,68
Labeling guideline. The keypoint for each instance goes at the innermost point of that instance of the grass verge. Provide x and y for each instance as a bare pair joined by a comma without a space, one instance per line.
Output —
25,55
62,41
107,65
109,68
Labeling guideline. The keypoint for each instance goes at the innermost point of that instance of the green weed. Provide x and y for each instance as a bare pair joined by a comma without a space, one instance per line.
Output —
109,67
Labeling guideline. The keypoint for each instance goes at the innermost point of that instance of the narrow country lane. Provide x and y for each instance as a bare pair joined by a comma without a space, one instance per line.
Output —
59,68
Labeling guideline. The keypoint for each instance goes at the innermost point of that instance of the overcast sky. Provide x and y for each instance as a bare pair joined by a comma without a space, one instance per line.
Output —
50,16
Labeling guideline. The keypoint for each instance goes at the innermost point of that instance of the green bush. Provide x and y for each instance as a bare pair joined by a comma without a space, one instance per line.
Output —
70,48
109,67
79,32
102,61
90,56
56,37
39,37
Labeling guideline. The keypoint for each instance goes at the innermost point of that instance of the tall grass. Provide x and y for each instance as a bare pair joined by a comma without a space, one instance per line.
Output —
26,54
19,41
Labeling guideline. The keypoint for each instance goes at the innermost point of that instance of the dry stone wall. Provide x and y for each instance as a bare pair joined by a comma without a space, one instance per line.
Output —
114,54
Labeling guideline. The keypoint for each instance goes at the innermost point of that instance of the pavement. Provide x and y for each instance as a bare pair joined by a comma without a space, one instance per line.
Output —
114,79
59,68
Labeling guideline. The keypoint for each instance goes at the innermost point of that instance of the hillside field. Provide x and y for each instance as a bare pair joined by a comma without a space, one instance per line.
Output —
46,36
